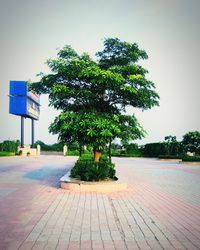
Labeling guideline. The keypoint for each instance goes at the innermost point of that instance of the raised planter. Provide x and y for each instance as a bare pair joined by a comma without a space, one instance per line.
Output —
100,186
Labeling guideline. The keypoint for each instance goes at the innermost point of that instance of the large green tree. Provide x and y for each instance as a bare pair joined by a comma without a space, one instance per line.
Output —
191,142
93,95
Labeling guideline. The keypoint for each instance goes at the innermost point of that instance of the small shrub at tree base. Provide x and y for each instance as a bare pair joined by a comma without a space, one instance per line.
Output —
86,169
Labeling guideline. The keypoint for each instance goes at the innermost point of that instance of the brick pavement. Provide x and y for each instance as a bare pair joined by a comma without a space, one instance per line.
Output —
159,210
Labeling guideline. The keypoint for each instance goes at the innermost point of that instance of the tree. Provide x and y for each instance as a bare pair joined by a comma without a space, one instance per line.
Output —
170,141
93,95
191,142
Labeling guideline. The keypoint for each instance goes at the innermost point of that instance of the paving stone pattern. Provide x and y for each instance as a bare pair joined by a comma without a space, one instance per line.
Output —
159,210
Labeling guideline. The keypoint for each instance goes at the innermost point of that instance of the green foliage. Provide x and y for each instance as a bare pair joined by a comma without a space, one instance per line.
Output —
76,152
170,147
191,142
4,153
93,95
86,169
9,146
88,128
119,53
72,153
169,142
126,150
133,150
191,158
53,147
73,146
170,156
154,149
118,154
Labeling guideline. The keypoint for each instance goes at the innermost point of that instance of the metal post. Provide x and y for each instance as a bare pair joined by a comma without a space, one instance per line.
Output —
22,131
32,129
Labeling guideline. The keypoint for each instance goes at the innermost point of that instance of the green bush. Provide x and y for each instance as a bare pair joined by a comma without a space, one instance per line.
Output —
133,150
9,146
162,148
191,142
127,150
73,146
118,154
53,147
72,153
154,149
86,169
4,153
191,158
77,153
87,157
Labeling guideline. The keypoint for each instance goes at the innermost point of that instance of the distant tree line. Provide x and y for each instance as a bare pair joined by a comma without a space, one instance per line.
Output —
169,148
47,147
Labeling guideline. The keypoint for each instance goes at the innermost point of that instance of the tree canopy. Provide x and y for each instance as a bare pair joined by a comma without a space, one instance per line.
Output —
191,142
93,94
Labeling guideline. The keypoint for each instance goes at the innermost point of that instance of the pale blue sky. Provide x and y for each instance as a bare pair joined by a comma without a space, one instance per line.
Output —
31,30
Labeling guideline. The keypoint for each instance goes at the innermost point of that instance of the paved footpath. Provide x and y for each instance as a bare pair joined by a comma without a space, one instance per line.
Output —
159,210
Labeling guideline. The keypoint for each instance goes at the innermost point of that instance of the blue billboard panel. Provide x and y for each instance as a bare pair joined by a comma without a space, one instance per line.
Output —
18,88
23,102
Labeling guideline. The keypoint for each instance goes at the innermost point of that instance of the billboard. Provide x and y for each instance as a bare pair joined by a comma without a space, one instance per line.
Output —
23,102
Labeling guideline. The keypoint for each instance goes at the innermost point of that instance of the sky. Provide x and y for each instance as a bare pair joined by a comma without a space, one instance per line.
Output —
31,31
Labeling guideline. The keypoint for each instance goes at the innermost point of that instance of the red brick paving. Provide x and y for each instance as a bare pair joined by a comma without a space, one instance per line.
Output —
160,209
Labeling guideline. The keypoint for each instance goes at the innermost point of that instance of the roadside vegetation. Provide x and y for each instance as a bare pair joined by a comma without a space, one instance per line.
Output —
8,148
170,148
4,153
46,147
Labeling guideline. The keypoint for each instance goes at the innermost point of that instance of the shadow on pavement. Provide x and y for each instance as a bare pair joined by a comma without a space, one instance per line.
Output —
47,175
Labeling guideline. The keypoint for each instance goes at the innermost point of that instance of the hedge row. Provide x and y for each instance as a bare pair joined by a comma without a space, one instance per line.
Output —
162,148
9,146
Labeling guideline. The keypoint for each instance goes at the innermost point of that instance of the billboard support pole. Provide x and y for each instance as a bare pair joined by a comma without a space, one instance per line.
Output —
32,130
22,131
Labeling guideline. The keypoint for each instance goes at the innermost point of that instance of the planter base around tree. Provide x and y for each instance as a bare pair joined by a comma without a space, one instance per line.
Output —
97,186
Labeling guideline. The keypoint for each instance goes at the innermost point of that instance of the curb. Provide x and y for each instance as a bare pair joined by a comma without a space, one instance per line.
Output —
102,186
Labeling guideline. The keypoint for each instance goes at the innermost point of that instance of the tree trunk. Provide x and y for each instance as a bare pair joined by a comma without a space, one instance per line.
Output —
109,152
97,155
80,150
